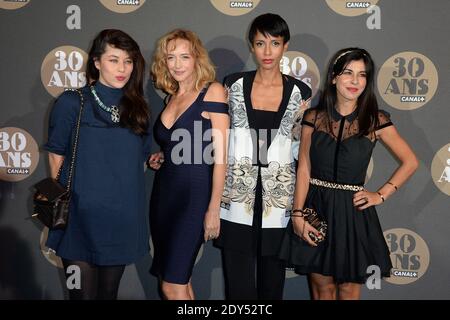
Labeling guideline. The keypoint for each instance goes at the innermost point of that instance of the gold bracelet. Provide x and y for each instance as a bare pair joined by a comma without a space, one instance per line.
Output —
381,196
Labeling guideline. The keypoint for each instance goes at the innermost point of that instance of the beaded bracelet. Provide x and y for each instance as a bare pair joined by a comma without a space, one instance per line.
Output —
302,213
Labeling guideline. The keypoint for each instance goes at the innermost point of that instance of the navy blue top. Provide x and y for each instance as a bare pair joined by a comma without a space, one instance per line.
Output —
108,218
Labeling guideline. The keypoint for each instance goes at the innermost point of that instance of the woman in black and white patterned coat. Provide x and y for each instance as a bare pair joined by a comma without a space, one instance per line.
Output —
256,203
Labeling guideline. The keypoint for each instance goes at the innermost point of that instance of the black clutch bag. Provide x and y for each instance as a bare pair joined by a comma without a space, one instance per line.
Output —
51,200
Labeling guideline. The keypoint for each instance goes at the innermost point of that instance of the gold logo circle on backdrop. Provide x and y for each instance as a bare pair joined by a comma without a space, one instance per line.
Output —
13,4
300,66
350,8
64,67
49,254
19,154
122,6
410,256
440,169
407,80
235,8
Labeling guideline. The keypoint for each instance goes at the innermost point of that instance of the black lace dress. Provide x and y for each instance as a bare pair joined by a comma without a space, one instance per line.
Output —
354,239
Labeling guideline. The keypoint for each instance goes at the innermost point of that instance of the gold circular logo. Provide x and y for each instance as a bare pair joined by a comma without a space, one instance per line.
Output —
122,6
49,254
13,4
350,8
440,169
19,154
62,68
235,8
410,256
300,66
407,80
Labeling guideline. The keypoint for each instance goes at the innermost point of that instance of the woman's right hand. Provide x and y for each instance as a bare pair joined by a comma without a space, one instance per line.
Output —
302,228
155,160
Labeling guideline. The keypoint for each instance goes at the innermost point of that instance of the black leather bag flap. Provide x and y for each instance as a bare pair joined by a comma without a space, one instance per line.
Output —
51,189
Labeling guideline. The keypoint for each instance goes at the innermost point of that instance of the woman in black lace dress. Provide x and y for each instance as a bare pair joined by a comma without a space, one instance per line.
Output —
337,140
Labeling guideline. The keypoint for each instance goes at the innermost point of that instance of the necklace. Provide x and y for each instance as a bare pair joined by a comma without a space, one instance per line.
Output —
115,116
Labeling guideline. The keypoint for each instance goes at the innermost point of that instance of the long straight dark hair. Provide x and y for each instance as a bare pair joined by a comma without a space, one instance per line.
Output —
134,112
367,101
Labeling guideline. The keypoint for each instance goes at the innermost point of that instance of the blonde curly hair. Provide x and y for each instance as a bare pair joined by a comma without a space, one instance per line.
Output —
204,69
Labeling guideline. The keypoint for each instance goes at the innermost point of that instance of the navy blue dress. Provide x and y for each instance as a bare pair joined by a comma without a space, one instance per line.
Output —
182,191
108,220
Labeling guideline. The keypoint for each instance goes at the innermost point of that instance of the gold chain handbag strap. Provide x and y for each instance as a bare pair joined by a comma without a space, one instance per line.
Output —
75,144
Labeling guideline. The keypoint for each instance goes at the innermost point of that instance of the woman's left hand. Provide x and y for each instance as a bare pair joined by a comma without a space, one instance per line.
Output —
364,199
155,160
211,224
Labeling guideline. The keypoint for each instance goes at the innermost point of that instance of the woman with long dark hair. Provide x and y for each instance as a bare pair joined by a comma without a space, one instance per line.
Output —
107,227
337,140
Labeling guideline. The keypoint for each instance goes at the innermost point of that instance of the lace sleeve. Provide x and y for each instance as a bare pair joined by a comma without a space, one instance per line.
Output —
297,127
384,120
309,118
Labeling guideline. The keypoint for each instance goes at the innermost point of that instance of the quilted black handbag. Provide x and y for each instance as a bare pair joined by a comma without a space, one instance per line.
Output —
51,200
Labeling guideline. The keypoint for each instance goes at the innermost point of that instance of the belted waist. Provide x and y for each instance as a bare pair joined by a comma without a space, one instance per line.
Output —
334,185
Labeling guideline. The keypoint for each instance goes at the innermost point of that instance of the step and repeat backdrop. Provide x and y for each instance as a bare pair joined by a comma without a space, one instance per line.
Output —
44,45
